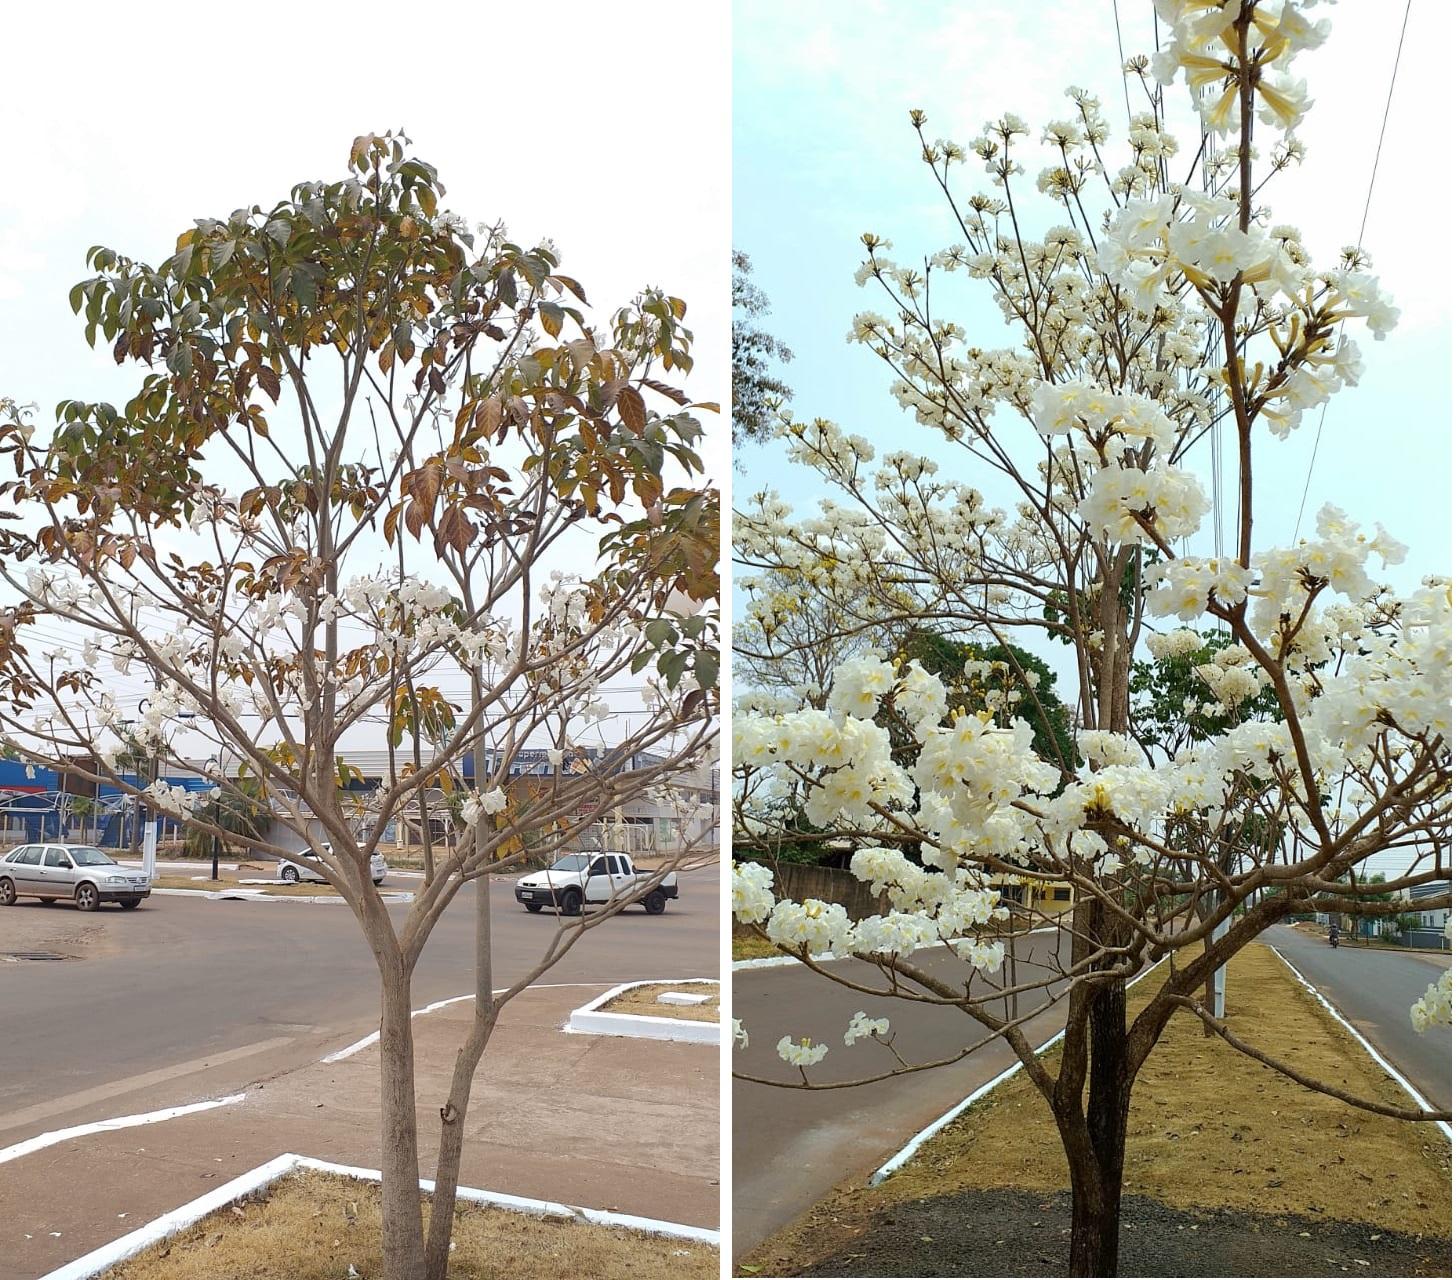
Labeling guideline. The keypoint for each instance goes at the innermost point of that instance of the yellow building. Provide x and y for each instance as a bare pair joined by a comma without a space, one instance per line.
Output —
1046,897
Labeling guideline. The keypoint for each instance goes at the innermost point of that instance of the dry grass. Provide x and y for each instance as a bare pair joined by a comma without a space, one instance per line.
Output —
314,1227
643,1000
748,945
1208,1127
306,890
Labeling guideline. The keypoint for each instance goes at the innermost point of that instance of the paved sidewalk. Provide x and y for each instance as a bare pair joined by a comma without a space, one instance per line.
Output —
604,1122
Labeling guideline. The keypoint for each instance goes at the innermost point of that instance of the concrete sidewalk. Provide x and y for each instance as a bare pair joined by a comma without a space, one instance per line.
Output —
608,1123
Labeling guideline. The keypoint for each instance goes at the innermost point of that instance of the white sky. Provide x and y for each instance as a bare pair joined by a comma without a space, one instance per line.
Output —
608,135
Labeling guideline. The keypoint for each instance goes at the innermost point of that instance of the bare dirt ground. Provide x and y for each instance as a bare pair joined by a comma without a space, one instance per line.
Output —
316,1227
1215,1140
643,1001
1022,1233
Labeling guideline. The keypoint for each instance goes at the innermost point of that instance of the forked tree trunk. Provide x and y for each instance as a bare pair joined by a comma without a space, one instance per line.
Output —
1095,1140
399,1192
1095,1158
452,1114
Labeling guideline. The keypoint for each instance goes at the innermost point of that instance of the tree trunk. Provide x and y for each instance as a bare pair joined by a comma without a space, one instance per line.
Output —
399,1192
452,1114
1095,1154
452,1142
1094,1227
1095,1159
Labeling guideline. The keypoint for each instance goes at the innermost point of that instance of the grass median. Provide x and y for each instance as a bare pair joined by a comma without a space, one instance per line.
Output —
1209,1129
314,1226
271,890
643,1001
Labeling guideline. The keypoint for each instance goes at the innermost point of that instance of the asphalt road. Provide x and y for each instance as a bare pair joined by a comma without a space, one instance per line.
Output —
790,1146
183,997
1375,989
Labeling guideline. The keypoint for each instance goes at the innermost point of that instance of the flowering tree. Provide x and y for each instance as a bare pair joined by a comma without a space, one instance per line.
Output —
365,452
1148,311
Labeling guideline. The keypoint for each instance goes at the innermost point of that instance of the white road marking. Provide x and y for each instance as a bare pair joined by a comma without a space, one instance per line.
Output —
348,1051
41,1141
15,1119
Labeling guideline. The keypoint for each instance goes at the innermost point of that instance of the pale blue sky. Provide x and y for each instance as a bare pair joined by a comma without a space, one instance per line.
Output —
823,151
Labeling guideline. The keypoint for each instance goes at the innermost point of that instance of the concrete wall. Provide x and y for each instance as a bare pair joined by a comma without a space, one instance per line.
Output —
801,881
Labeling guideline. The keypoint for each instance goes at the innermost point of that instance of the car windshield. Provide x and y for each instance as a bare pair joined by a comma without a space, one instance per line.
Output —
90,858
571,862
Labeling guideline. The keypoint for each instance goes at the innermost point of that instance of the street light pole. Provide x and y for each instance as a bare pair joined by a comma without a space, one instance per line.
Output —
222,778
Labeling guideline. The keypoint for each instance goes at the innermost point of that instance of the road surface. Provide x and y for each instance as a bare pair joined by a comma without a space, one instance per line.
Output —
1375,989
790,1147
185,998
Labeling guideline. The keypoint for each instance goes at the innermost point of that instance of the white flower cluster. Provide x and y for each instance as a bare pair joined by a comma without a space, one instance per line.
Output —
862,1027
477,805
1184,586
1197,48
1434,1008
1176,644
800,1053
178,800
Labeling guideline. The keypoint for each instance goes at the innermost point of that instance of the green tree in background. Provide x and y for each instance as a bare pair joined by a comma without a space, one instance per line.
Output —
757,393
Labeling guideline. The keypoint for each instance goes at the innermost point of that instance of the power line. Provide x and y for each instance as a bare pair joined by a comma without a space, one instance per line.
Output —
1359,243
1122,62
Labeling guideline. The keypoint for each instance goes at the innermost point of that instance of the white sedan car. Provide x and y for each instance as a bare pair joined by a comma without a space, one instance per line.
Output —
304,865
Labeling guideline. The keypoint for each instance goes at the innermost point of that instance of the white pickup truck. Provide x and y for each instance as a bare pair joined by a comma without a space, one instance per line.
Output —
575,879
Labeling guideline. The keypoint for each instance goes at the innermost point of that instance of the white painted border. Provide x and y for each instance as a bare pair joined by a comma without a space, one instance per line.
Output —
1363,1042
107,1256
590,1020
776,962
903,1155
43,1140
349,1050
257,895
99,1260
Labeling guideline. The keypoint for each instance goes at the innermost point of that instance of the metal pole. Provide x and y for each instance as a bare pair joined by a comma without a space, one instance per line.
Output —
1220,973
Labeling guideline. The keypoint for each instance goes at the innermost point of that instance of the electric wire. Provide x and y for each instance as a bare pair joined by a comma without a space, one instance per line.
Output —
1359,243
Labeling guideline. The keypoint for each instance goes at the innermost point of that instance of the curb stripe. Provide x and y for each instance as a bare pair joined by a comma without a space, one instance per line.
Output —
903,1155
1364,1043
43,1140
101,1259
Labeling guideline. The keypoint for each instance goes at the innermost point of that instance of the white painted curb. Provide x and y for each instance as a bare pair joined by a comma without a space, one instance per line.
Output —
98,1261
1364,1043
257,895
348,1051
590,1020
777,962
903,1155
108,1255
41,1141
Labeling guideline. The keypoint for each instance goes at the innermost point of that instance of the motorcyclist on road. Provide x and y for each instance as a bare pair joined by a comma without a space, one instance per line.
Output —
1334,935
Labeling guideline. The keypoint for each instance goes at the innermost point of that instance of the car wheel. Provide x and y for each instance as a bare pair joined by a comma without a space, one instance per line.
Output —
379,881
289,875
130,904
7,893
655,902
532,907
570,902
87,899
